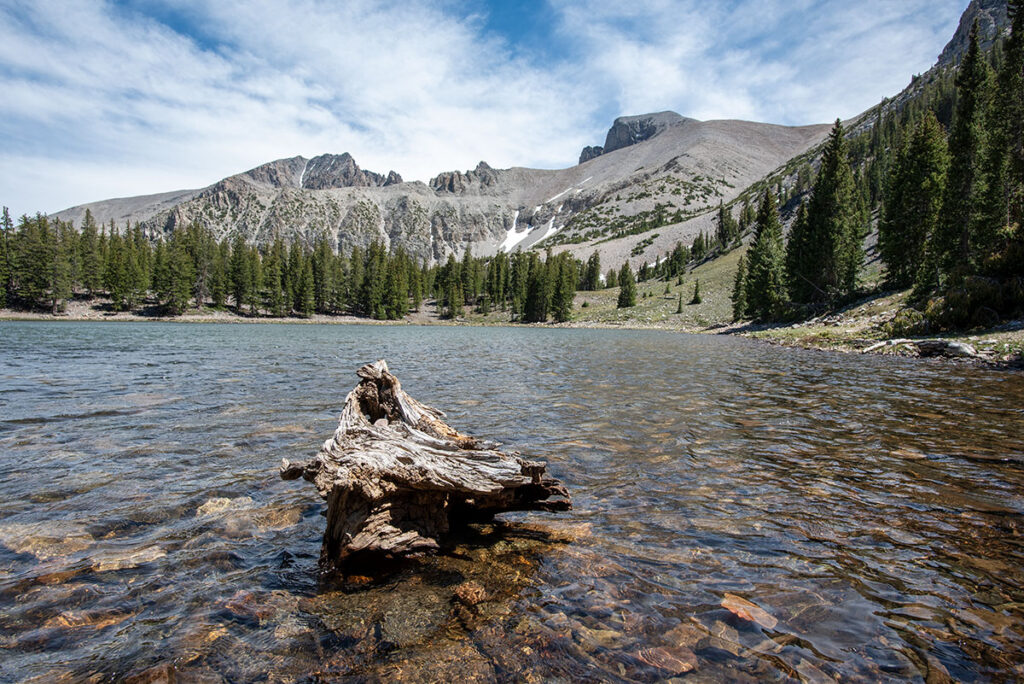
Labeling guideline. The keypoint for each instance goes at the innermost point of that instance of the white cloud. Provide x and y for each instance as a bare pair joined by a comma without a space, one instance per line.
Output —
783,61
100,101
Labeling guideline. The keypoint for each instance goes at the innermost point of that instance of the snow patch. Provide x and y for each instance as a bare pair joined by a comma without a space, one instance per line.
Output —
559,209
302,178
585,180
513,238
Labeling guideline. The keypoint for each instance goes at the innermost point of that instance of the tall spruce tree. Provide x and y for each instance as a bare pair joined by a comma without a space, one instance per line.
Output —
765,282
535,308
592,274
239,273
1002,221
914,202
726,228
219,281
800,249
6,271
627,287
60,274
90,256
833,251
739,291
955,247
564,287
178,281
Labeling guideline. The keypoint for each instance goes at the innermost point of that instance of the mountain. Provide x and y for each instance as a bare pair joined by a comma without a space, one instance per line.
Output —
659,169
992,19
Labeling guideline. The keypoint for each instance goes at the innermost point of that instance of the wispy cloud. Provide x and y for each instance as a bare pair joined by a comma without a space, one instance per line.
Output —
103,99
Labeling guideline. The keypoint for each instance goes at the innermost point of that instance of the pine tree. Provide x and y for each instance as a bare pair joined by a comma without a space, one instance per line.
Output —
178,280
955,248
415,286
219,281
564,290
375,281
451,282
6,270
357,275
800,253
305,303
914,202
696,293
116,271
396,287
727,229
90,256
535,308
739,292
323,261
33,259
679,305
612,278
202,251
1002,213
627,287
161,273
592,274
61,246
239,273
834,250
273,294
765,284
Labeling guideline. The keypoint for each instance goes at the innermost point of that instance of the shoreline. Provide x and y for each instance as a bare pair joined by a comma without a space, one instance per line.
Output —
1001,348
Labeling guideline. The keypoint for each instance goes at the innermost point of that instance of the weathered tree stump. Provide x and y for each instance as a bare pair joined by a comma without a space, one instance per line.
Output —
396,476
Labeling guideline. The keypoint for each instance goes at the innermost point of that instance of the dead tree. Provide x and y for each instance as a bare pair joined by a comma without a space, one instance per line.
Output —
396,477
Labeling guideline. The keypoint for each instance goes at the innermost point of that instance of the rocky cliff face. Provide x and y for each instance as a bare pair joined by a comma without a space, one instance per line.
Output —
589,153
992,19
630,130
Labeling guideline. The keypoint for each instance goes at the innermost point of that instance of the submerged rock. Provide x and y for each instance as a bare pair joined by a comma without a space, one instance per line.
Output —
123,560
221,505
45,540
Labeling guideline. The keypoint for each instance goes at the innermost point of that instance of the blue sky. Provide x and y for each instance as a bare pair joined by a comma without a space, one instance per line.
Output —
109,99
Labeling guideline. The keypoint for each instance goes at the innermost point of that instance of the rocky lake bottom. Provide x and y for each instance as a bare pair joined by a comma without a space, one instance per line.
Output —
742,512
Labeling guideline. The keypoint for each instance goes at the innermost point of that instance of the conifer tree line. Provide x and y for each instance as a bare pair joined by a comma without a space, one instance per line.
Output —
945,179
44,262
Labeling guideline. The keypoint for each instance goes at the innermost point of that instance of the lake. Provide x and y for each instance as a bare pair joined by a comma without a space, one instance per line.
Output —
741,512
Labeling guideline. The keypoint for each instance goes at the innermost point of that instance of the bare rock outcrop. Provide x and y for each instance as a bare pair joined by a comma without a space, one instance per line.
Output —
590,152
396,477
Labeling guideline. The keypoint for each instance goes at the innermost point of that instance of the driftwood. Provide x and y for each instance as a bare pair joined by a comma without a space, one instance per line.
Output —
396,476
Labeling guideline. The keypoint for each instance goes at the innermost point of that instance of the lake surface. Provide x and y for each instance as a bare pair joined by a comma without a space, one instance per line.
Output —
869,508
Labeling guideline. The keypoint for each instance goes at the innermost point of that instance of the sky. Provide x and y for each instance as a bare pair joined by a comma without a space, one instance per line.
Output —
102,99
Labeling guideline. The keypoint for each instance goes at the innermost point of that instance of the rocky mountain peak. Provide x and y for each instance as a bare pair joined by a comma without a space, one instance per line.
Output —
282,173
457,183
630,130
589,153
338,171
992,19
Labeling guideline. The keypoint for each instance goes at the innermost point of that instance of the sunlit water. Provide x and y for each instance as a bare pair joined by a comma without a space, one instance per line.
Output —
870,507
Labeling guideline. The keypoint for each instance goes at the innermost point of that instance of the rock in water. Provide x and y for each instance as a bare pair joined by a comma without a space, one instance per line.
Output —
396,476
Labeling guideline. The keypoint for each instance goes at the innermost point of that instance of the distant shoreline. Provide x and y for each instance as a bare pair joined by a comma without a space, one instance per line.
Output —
1003,353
